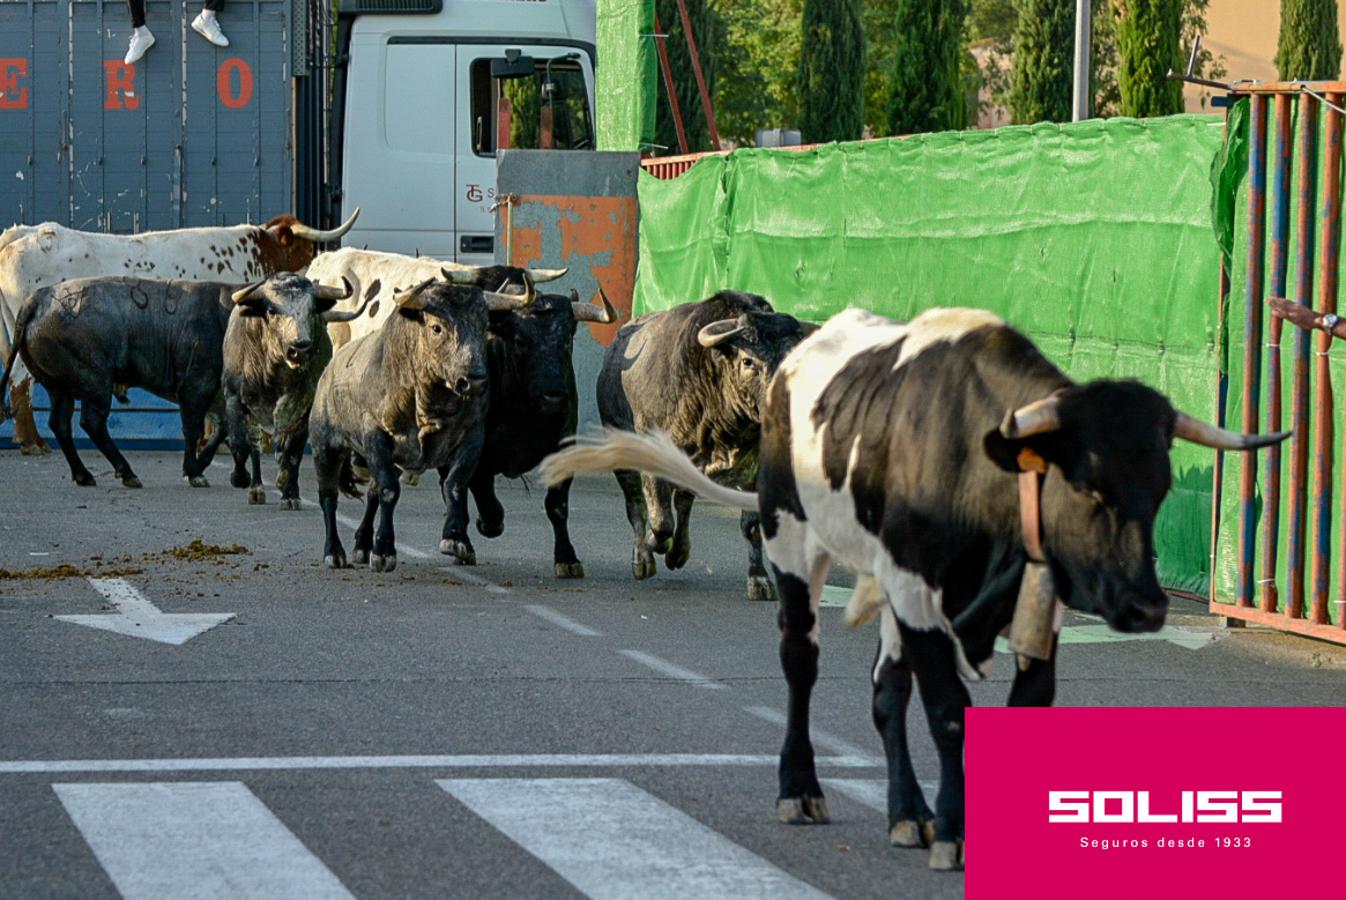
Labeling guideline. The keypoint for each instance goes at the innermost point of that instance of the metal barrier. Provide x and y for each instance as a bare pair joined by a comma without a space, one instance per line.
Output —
1288,585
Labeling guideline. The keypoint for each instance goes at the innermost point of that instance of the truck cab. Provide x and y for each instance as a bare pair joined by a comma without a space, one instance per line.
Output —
423,92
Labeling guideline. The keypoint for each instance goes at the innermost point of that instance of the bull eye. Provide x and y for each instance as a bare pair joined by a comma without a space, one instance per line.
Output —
748,363
437,329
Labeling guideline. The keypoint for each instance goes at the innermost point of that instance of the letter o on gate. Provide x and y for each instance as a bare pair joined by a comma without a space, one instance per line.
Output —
223,87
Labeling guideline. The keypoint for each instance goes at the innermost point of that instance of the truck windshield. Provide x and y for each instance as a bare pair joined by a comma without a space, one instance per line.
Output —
549,109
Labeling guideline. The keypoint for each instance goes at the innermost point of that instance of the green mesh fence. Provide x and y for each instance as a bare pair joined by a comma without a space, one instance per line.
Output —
626,88
1094,238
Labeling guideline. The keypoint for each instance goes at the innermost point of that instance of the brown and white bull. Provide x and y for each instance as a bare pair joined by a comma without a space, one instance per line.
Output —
34,256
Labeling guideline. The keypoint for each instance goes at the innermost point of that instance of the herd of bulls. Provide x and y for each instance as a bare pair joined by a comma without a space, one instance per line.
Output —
943,460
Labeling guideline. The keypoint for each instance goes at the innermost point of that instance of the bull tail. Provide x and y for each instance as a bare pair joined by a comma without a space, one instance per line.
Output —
20,326
654,453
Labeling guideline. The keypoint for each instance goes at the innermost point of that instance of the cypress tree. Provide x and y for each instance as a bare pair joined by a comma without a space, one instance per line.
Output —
1149,43
1044,60
1309,47
927,88
705,30
832,71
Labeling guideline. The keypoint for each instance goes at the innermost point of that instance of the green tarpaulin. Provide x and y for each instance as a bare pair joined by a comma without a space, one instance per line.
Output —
1094,238
627,69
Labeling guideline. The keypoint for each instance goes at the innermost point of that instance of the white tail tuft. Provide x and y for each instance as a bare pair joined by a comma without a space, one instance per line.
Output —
654,453
865,602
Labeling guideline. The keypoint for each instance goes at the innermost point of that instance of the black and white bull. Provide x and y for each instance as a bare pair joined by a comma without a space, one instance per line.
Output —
275,349
534,404
699,373
411,396
895,449
90,339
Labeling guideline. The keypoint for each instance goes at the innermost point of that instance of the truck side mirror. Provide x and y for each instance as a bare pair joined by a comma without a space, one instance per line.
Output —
512,66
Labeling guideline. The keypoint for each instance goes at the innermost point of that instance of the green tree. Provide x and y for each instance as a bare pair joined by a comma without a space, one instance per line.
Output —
1044,61
758,67
706,31
1309,47
880,20
928,89
832,71
1149,43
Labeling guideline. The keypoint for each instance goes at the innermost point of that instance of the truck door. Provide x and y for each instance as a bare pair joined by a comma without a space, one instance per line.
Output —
401,146
559,90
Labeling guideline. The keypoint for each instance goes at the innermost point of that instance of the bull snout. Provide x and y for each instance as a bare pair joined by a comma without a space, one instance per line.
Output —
298,353
1139,613
472,384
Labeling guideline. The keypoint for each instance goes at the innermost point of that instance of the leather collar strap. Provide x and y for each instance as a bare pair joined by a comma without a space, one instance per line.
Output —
1032,470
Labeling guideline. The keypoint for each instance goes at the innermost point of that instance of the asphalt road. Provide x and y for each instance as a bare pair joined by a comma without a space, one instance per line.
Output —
436,732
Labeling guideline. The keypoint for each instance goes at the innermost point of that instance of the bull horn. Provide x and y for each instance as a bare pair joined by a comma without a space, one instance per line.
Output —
1193,429
1038,417
242,294
318,236
542,276
334,316
327,292
529,294
717,333
503,302
459,276
592,312
411,298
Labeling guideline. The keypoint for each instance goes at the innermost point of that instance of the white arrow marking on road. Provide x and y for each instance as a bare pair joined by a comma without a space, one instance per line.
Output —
138,617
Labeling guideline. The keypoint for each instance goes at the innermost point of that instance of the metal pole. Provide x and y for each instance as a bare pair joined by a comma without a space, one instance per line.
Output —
1084,16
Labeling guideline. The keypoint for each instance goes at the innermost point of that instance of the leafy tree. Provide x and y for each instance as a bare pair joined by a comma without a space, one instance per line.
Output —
1044,61
1149,42
758,67
928,89
880,20
706,31
1309,48
832,71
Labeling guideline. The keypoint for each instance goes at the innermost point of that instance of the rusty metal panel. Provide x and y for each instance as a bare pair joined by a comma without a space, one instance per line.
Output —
576,209
190,135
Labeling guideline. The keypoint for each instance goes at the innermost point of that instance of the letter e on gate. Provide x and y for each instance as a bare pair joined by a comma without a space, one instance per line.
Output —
121,85
223,86
11,95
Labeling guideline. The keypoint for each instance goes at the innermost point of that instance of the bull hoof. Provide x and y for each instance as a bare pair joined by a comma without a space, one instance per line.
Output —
912,833
360,557
490,529
38,449
946,856
462,554
334,560
759,589
84,479
282,479
570,570
257,496
677,555
132,482
643,567
802,811
198,481
411,478
291,503
383,563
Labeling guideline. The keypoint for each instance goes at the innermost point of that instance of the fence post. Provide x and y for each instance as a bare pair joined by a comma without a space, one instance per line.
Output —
1252,332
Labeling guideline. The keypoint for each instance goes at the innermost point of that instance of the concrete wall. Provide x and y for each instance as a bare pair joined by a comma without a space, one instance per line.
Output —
576,209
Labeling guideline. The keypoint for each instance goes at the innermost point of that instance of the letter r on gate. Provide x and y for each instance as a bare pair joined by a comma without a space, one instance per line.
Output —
11,95
121,85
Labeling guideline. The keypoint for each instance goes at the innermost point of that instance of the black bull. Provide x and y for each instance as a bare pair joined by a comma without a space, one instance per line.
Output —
91,339
895,449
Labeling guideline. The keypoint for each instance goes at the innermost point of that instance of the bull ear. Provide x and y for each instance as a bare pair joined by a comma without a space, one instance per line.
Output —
411,302
249,301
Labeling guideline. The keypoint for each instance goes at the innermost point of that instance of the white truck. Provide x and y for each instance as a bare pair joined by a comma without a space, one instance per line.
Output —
423,87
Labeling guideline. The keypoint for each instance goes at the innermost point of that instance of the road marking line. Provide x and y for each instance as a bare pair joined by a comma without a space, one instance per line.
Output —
612,840
136,616
506,761
821,738
187,839
1186,638
562,621
463,573
872,792
664,667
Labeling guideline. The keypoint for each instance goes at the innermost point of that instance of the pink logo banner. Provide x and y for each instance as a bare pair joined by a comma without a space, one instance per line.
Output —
1136,802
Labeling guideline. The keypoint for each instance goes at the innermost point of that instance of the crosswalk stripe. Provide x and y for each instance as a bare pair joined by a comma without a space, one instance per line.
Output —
194,839
873,792
610,839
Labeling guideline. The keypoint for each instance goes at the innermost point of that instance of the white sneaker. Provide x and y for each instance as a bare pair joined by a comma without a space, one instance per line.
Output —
206,26
142,39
